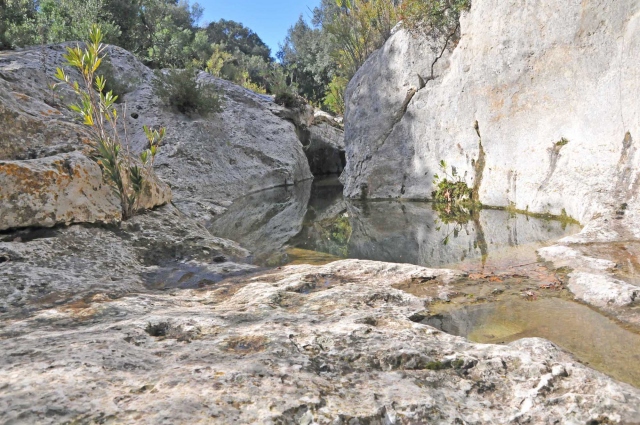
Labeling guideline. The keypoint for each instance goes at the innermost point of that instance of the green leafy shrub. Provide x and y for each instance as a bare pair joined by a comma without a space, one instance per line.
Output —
450,188
334,100
248,84
125,173
433,17
179,90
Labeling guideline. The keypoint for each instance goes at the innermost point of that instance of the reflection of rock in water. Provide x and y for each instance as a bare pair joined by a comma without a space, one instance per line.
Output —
461,322
410,232
265,221
327,229
590,336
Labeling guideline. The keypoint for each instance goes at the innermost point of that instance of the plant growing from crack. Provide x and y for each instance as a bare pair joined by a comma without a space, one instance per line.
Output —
451,188
125,173
452,199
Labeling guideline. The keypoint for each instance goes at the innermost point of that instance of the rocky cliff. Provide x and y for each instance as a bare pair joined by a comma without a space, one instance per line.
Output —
207,161
142,322
536,108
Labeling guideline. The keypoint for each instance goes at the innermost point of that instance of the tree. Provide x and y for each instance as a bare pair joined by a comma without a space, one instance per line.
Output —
306,53
18,23
235,36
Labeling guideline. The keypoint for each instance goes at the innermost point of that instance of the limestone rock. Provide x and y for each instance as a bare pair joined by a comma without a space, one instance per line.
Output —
206,161
325,150
33,123
523,78
66,188
326,345
603,264
155,192
159,249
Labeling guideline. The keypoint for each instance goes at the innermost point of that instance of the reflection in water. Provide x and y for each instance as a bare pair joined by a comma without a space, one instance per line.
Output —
412,232
313,224
317,218
591,337
265,221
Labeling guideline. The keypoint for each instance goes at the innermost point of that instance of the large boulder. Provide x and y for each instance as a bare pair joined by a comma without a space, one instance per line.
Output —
207,161
212,160
336,344
535,108
66,188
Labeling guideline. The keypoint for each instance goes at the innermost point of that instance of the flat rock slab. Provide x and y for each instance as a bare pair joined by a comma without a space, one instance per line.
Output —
160,249
328,345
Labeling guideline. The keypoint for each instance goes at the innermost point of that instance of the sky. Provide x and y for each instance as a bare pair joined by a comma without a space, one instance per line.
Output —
270,19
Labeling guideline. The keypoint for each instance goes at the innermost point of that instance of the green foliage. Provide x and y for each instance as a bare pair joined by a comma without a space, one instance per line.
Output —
336,232
451,188
306,53
433,17
18,23
53,21
237,37
180,90
125,173
334,99
322,59
562,142
289,99
248,84
436,365
218,59
161,32
360,31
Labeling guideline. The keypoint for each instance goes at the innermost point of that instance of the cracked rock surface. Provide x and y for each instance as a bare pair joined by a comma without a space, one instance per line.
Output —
523,78
331,344
161,249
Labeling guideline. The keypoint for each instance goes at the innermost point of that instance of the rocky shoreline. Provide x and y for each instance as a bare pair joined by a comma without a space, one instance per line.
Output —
158,320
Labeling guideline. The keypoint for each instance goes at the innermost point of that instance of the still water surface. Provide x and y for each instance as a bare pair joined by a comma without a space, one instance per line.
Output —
312,223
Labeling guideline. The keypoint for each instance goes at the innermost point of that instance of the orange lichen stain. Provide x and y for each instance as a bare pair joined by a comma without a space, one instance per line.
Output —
21,96
245,344
79,310
32,182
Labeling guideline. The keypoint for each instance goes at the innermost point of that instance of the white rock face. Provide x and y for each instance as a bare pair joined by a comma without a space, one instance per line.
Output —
529,74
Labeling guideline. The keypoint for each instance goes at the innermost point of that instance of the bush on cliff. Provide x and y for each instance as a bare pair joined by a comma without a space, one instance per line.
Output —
434,18
125,173
180,90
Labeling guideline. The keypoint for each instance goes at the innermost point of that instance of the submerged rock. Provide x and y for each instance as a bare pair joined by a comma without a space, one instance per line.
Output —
328,345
